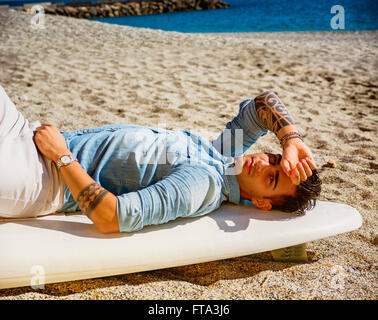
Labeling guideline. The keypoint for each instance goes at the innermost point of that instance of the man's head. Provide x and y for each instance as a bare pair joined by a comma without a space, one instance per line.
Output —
263,181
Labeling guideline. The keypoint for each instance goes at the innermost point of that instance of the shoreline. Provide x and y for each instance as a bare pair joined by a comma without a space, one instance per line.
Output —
289,33
78,73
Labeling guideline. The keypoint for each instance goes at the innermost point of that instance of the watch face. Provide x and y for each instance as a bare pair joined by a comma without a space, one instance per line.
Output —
65,159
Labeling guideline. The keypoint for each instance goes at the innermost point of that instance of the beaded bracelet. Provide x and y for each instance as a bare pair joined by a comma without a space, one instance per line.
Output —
289,136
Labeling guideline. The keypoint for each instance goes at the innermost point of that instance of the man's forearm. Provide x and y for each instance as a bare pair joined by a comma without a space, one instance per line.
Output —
96,202
274,115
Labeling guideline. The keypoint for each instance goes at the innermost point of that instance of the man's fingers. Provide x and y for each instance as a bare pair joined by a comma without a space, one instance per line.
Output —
286,166
295,177
44,125
261,164
306,168
302,172
41,127
293,164
311,163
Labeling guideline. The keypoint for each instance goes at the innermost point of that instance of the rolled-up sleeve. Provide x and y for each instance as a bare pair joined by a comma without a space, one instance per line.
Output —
240,133
186,191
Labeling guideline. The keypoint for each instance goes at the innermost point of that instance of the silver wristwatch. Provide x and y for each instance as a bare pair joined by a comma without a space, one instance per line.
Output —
65,160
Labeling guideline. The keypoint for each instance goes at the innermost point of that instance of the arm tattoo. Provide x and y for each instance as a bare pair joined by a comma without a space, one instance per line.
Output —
272,112
90,197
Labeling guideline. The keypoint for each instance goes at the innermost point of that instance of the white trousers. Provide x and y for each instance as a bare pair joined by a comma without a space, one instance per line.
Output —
30,184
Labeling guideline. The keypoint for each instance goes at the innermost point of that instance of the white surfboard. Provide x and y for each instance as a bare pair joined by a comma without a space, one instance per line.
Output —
62,247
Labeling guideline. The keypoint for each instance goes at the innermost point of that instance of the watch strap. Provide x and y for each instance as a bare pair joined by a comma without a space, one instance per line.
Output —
60,163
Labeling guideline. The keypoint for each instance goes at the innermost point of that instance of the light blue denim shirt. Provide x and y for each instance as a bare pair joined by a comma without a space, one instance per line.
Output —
159,175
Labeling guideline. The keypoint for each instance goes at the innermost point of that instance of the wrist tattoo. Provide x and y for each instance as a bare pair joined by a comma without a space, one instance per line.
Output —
90,197
272,112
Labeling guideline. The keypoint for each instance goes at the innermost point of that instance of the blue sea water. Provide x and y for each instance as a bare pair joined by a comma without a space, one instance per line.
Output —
258,15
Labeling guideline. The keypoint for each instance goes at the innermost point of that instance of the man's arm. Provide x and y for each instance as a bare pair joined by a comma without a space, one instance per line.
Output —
96,202
186,191
274,116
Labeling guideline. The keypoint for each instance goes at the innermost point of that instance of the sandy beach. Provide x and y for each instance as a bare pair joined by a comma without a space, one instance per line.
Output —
77,73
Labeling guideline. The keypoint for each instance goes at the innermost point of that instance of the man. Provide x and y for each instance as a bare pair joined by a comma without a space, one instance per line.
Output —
125,177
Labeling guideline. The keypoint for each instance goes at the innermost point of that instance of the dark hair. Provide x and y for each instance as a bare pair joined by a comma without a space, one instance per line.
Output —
305,197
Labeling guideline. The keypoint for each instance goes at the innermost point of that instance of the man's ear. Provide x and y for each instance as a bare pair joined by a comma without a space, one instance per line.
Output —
263,204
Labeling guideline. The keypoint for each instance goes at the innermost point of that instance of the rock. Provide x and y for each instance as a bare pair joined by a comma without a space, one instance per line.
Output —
331,164
329,78
83,10
134,4
134,8
373,165
60,11
221,5
107,9
93,11
144,8
49,11
70,11
99,11
124,11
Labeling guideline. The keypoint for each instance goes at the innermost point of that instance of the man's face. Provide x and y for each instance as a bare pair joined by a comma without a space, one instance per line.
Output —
262,178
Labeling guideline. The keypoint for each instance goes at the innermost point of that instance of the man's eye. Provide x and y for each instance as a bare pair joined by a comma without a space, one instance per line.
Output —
271,179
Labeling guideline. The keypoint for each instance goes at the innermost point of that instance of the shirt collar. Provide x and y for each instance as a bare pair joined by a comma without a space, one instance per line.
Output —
232,185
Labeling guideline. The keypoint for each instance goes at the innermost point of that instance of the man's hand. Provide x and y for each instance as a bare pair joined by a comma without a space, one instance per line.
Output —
50,142
297,161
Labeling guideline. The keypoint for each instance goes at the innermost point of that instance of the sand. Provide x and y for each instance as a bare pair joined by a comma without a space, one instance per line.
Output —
77,73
